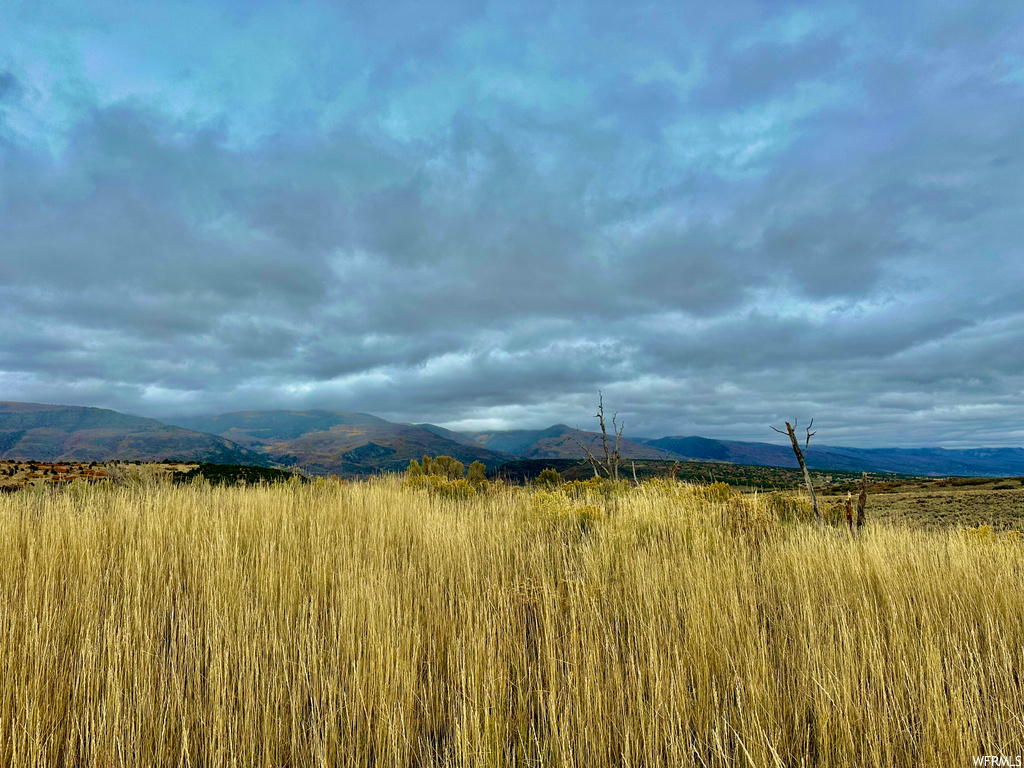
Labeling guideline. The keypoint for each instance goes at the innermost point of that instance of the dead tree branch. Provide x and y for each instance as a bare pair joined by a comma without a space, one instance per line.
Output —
803,466
589,458
612,460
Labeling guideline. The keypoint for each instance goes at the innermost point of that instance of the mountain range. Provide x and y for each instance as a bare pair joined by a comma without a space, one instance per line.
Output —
355,444
33,431
995,462
339,442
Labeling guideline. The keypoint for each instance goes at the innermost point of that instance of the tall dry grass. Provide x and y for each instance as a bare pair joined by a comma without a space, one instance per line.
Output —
374,624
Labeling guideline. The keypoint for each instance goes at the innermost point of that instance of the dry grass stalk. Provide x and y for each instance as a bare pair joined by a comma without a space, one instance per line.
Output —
374,624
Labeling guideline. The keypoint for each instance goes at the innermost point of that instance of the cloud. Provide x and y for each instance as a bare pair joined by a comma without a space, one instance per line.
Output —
10,87
719,217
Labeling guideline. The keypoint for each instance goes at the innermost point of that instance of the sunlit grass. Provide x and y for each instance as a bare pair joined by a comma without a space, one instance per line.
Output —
378,624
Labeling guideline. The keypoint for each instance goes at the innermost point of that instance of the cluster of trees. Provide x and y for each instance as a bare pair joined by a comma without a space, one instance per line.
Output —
448,468
451,469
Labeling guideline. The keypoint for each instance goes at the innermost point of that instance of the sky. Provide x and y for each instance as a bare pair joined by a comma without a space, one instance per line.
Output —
720,215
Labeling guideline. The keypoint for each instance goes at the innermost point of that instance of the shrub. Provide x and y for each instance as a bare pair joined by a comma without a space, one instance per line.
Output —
560,512
440,466
833,512
453,489
447,467
986,535
659,485
477,474
441,487
549,478
718,492
578,489
787,508
983,534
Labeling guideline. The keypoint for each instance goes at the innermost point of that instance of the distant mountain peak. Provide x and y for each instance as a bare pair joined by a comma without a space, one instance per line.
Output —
46,432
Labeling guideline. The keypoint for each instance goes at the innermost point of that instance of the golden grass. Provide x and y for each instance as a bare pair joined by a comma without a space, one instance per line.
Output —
1002,508
374,624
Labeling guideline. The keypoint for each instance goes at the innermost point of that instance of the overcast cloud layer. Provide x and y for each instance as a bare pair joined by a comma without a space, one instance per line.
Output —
723,215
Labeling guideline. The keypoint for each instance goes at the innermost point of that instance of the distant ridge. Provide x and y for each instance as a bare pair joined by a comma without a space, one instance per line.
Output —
458,437
561,442
983,462
339,442
42,432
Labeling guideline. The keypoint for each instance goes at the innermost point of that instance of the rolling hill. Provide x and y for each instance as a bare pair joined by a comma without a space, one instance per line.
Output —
993,462
562,442
458,437
40,432
338,442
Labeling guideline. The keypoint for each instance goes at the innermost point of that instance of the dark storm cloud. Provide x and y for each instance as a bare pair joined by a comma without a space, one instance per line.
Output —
721,216
10,88
768,69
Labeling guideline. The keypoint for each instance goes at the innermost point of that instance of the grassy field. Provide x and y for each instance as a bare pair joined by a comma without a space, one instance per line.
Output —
378,624
938,504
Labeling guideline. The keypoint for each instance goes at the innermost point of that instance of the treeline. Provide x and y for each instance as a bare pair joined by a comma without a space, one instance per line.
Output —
232,474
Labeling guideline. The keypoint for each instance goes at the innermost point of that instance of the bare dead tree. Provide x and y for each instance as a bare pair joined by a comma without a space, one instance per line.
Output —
612,460
612,457
803,465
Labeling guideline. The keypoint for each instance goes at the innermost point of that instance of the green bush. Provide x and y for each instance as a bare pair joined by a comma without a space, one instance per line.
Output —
549,478
477,474
441,487
447,467
453,489
439,466
718,492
